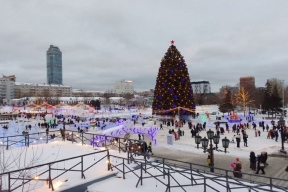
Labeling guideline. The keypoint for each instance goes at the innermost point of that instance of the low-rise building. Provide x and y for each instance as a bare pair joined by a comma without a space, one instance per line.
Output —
41,90
82,93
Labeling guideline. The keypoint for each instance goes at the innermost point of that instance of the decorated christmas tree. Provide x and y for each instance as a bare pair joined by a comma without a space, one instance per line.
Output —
173,92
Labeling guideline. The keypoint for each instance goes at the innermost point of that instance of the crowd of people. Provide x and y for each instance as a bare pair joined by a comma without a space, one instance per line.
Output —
258,163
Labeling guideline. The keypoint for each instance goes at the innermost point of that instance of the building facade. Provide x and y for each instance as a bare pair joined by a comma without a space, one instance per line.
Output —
54,65
41,90
123,87
247,82
200,87
82,93
6,88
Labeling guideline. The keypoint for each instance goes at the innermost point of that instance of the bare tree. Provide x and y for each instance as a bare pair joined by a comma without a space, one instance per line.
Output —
278,83
127,97
243,99
107,95
20,158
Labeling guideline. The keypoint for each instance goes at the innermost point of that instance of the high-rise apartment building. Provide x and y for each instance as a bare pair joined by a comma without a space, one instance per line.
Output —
124,86
200,87
54,65
7,88
247,83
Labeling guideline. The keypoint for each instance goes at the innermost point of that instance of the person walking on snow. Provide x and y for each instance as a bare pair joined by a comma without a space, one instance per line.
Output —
150,148
245,138
260,164
237,170
276,135
253,161
238,139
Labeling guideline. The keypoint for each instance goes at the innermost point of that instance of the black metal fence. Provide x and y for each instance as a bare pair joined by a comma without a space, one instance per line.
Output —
85,138
50,171
193,175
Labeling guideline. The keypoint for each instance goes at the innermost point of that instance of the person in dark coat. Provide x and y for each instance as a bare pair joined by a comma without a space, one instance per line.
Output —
245,138
150,148
265,157
276,135
204,126
161,126
267,127
238,139
253,161
260,164
227,127
237,170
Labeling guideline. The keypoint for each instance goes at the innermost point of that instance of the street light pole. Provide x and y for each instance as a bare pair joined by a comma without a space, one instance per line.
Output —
282,138
283,97
282,119
211,157
281,123
213,139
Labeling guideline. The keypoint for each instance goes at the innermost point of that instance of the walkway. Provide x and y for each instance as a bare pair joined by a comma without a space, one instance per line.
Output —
83,187
276,167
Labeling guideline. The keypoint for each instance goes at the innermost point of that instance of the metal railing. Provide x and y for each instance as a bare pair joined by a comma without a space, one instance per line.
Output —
167,165
194,174
85,138
20,178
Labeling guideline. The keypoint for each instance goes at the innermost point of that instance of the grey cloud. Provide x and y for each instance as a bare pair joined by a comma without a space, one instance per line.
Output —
106,41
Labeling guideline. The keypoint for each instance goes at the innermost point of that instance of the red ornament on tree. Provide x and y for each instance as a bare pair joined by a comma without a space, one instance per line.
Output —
172,42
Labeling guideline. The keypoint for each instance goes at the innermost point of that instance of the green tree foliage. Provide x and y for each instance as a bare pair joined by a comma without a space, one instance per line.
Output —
95,104
227,103
267,97
276,99
98,104
173,88
271,100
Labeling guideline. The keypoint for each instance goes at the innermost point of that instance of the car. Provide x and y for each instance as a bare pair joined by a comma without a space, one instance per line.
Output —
213,113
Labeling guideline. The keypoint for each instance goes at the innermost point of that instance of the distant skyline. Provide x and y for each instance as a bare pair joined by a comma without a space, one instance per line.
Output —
103,42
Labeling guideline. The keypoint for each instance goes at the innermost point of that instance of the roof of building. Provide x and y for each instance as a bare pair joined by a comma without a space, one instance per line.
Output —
41,84
10,77
247,77
73,98
125,81
199,82
82,91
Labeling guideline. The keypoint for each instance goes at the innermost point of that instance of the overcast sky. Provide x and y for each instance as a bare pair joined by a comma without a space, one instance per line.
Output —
106,41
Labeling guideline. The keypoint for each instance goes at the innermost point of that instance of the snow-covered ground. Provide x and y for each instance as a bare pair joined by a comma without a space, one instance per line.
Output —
256,144
20,157
58,150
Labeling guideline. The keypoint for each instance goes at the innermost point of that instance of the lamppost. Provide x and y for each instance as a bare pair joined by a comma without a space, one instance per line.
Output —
205,142
281,123
198,140
283,98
